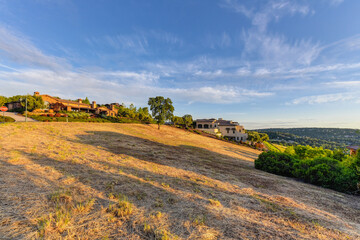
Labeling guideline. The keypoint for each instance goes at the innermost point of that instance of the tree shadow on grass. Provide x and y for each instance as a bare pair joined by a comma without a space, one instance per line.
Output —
178,202
181,157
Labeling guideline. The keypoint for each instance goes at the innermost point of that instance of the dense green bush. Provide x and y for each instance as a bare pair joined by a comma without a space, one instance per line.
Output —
276,162
322,167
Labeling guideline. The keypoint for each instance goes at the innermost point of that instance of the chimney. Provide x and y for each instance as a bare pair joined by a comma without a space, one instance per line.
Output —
36,93
93,105
79,100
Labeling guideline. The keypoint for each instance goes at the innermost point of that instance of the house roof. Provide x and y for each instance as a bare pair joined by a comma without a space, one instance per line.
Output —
211,120
74,103
66,102
221,122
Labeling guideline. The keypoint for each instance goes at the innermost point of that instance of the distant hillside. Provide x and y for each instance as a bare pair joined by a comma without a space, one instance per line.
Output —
327,137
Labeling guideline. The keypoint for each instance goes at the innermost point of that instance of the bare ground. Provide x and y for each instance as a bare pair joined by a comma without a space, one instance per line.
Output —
63,180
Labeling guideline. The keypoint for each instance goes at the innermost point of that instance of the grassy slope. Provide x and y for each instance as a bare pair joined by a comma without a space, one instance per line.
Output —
169,171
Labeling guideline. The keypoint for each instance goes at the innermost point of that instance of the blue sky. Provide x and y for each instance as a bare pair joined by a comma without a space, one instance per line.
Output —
275,63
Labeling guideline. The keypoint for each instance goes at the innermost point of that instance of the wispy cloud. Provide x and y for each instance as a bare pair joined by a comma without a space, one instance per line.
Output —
276,50
270,48
110,86
335,2
343,84
21,50
140,41
222,40
328,98
271,11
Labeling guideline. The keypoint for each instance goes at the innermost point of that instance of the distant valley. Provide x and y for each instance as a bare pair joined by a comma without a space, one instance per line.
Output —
316,137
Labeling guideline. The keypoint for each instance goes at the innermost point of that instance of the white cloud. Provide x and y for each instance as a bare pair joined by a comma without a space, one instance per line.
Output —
343,84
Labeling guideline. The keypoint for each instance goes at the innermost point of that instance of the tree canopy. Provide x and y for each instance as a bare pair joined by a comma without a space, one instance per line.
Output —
188,120
33,102
161,108
257,137
87,101
2,101
140,113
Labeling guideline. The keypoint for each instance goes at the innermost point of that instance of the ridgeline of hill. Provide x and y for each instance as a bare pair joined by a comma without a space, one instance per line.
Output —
132,181
330,138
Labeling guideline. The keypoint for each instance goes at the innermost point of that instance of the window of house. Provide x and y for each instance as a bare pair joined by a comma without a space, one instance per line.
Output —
199,125
233,131
210,125
228,130
206,125
237,138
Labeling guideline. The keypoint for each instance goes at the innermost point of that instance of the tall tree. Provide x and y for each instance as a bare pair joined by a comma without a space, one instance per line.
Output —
162,109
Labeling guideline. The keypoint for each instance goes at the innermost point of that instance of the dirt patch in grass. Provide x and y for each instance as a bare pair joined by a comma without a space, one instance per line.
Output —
132,181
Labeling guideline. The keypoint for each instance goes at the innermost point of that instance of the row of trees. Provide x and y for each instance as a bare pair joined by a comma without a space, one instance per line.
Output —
186,120
141,114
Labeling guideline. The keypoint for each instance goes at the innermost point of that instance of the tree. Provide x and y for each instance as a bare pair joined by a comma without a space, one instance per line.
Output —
177,120
33,102
143,114
162,109
264,137
188,120
87,101
253,136
2,101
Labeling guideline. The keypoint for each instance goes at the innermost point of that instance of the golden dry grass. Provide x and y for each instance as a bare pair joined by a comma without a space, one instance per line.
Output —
130,181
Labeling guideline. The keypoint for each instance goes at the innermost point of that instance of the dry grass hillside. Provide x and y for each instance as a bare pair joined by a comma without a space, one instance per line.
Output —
129,181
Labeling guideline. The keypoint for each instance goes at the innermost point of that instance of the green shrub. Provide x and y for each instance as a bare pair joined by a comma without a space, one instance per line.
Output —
276,162
328,173
341,175
7,119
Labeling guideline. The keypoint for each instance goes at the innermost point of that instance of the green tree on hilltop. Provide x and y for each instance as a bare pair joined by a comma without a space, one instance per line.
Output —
162,109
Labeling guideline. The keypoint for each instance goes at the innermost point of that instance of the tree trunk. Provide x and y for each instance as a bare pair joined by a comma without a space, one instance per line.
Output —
158,126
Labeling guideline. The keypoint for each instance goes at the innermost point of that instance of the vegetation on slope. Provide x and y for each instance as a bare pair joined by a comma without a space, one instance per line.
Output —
117,181
323,167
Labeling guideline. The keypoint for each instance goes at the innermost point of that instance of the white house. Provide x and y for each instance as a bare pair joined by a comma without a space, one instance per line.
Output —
220,127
